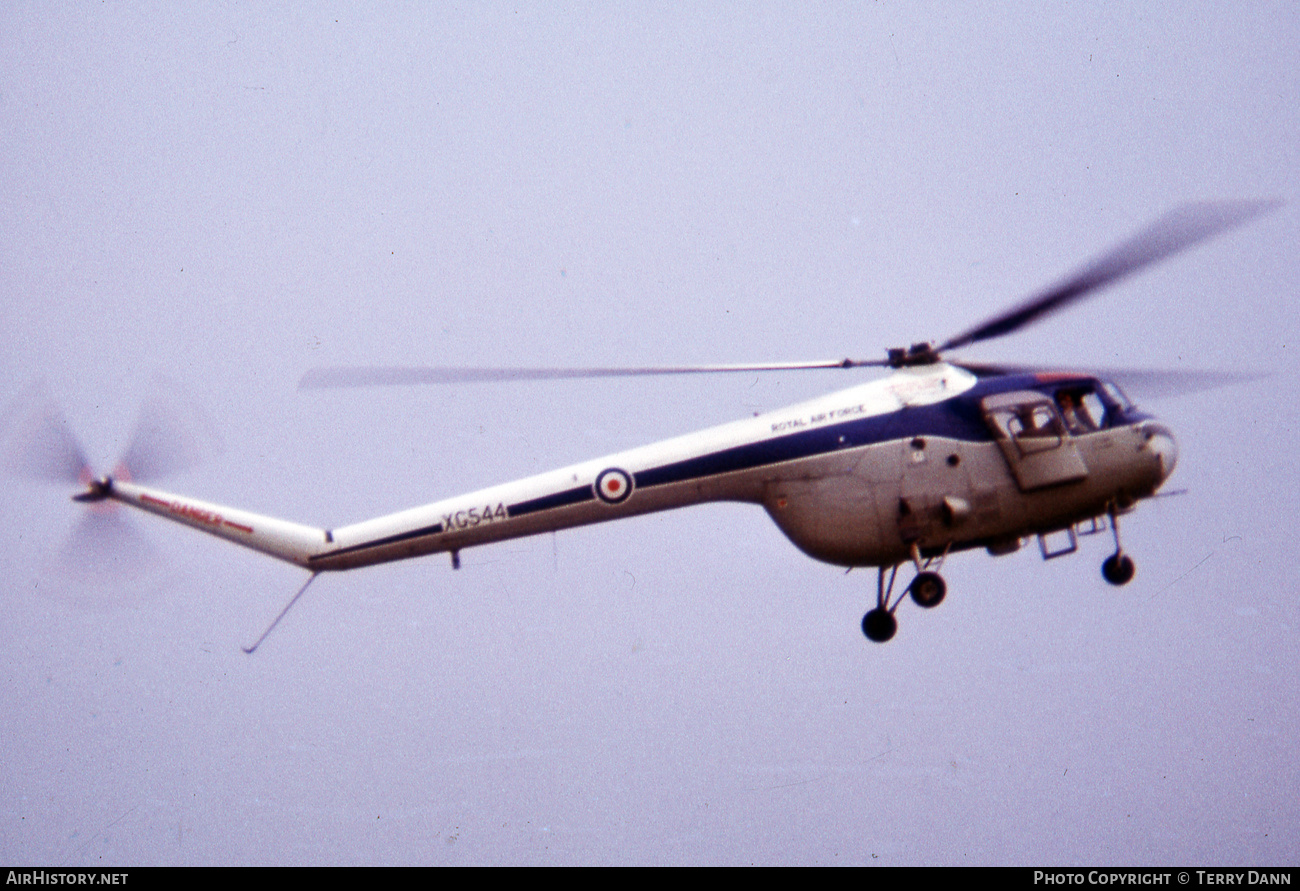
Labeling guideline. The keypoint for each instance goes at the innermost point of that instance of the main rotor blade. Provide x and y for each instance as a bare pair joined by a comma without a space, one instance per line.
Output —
1175,231
1144,383
387,376
1155,383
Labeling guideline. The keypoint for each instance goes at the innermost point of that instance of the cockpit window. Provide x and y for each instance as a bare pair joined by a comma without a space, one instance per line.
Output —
1117,396
1081,408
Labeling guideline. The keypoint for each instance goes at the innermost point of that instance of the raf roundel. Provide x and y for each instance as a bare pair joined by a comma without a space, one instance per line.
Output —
613,486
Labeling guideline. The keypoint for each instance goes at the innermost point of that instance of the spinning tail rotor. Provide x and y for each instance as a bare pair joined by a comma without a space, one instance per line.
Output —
40,446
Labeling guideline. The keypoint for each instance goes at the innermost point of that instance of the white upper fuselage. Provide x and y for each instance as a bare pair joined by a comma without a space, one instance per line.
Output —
525,507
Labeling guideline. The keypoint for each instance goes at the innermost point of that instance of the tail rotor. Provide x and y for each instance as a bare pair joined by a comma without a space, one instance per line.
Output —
41,445
104,547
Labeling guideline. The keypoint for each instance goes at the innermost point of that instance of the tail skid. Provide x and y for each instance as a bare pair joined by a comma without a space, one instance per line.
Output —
288,606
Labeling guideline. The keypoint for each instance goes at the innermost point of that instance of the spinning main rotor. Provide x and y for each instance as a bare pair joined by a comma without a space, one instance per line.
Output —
1176,231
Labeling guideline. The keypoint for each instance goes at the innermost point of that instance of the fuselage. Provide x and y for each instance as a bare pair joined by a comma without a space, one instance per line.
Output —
928,459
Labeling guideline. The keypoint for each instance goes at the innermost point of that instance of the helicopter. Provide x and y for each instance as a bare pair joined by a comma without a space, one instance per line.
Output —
938,456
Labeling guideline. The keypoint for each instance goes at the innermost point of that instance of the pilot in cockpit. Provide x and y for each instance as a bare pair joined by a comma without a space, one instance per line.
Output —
1075,411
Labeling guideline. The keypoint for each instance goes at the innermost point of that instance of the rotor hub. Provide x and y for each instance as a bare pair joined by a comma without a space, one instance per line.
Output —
917,354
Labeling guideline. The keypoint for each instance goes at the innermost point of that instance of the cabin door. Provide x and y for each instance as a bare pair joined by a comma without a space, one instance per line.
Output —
1034,439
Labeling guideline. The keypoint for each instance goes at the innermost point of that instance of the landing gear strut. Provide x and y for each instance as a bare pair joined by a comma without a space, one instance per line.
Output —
1118,569
927,589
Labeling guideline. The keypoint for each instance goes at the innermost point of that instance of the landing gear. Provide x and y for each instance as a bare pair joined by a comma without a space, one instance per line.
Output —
927,590
879,625
1118,568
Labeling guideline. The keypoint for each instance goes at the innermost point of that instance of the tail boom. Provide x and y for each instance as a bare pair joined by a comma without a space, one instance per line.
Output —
292,542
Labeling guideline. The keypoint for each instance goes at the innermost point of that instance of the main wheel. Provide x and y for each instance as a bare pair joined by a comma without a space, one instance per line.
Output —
1118,569
928,589
879,625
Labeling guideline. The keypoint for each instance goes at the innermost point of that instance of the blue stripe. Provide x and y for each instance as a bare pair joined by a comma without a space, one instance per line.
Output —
554,500
435,529
956,418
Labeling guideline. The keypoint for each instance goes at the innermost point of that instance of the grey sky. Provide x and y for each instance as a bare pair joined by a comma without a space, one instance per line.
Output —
226,197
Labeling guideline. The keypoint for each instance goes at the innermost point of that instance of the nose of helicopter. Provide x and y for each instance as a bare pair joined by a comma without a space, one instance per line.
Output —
1160,442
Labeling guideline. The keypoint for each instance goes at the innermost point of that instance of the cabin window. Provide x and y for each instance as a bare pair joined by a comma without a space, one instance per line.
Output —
1032,426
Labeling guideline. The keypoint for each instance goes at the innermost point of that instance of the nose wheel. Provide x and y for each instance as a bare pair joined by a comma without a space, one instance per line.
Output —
1118,569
